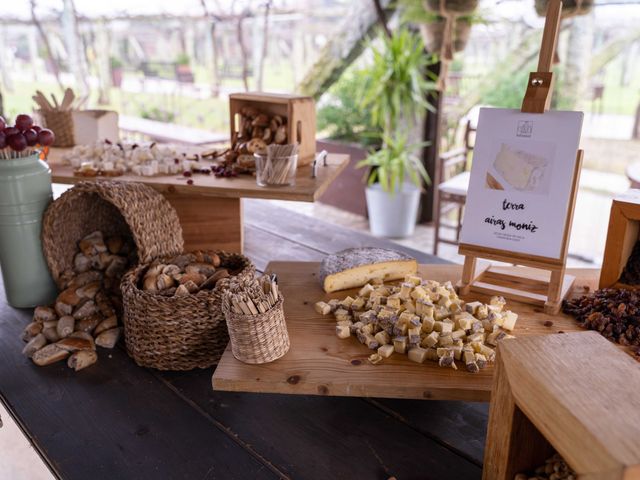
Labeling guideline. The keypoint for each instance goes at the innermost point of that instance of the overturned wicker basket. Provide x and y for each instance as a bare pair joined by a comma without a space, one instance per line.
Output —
115,208
178,332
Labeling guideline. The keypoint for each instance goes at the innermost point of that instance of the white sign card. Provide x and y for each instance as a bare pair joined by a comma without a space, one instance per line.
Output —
521,180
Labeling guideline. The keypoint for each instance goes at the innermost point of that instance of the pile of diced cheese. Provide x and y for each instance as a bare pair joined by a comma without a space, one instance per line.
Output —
423,319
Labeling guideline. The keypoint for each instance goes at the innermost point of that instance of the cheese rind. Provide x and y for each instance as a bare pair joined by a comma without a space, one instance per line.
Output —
356,267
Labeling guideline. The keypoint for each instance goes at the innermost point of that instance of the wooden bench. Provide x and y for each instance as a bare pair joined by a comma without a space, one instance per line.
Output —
170,132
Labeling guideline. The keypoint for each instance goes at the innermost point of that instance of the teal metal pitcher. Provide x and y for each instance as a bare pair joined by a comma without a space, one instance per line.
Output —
25,193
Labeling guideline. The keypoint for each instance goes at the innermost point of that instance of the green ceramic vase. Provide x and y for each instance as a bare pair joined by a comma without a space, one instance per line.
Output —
25,193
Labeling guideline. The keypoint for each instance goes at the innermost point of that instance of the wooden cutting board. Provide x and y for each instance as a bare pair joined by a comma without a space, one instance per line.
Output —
319,363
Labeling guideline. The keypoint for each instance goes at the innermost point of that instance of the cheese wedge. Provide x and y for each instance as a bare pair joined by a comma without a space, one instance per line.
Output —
355,267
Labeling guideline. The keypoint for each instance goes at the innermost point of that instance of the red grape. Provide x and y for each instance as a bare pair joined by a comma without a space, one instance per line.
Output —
24,122
3,140
3,123
46,137
10,131
31,136
17,142
36,128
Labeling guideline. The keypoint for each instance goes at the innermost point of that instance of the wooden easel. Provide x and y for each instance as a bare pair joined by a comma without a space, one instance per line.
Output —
529,286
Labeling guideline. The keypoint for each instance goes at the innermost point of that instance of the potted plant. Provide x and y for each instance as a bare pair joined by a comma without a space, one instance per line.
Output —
394,185
183,69
116,72
395,92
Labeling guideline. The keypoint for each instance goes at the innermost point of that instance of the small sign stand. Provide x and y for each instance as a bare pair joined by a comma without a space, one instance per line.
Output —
528,286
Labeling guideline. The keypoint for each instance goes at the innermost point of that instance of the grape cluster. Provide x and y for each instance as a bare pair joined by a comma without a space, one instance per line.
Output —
24,135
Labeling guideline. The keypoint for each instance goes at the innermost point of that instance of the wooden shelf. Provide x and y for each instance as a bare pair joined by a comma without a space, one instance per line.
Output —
210,210
319,363
307,189
575,393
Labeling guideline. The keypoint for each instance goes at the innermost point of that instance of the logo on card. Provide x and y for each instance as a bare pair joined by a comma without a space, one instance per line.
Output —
525,128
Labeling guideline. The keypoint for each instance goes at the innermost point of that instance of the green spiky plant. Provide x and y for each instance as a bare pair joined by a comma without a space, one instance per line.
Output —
394,162
396,91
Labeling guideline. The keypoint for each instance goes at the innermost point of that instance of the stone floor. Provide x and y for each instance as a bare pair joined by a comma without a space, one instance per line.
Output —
18,459
588,235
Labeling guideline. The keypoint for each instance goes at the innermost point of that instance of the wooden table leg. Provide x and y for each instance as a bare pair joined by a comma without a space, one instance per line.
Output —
209,223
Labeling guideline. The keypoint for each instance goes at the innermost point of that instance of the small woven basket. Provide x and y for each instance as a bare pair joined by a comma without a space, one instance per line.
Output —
116,208
61,123
178,332
260,338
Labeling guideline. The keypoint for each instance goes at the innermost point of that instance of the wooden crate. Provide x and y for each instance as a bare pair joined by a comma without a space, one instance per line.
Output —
575,393
299,111
624,228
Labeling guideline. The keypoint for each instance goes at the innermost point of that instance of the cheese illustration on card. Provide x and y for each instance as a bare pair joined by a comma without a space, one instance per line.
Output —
522,170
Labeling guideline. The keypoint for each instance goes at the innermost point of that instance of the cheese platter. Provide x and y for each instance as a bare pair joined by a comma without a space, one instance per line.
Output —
321,363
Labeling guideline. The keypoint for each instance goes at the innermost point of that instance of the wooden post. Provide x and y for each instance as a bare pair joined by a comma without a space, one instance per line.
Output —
431,153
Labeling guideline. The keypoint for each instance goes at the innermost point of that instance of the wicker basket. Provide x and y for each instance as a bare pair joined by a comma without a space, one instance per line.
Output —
115,208
61,123
258,338
178,332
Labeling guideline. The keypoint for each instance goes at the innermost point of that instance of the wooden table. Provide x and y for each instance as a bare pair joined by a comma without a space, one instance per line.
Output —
116,420
211,210
319,363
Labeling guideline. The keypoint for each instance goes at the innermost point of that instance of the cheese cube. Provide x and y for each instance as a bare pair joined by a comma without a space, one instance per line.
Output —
481,360
445,340
432,354
482,312
441,313
472,307
346,303
323,308
509,320
371,342
394,301
431,340
343,331
366,290
405,290
464,320
418,293
458,334
385,351
375,358
414,335
417,354
400,344
413,279
428,324
382,338
344,323
358,303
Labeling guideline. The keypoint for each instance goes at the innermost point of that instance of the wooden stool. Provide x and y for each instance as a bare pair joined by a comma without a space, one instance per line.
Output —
576,393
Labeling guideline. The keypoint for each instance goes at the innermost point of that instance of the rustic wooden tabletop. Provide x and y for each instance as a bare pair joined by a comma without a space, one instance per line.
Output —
116,420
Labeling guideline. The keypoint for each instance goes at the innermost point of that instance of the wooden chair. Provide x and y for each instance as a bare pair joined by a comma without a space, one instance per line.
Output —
452,186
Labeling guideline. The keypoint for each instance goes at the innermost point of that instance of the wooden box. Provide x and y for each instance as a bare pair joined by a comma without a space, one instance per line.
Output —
574,393
624,229
90,126
299,111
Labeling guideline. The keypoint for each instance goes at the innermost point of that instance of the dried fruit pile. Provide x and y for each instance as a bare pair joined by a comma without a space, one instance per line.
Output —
613,312
85,314
23,139
184,274
555,468
423,319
